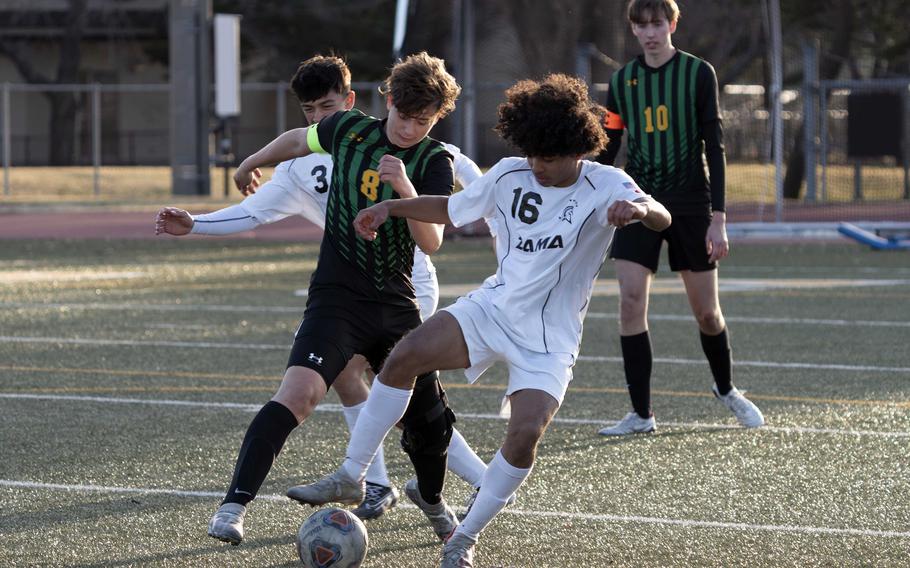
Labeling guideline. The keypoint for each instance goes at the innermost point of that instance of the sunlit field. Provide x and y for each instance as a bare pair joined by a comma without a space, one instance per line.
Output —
129,371
146,186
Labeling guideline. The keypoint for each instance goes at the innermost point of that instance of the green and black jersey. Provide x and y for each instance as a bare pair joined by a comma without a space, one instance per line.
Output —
672,116
380,269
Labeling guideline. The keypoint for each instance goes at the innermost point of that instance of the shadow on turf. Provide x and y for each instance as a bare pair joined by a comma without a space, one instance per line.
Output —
670,431
213,548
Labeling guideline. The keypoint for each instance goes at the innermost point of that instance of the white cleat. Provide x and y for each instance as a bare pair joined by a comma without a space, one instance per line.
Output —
441,516
632,423
748,415
227,523
338,487
458,551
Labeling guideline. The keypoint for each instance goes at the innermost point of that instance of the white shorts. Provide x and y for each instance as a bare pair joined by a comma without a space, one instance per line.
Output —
487,343
426,286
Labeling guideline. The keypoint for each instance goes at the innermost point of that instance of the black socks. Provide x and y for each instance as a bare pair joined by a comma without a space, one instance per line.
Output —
720,358
637,360
263,441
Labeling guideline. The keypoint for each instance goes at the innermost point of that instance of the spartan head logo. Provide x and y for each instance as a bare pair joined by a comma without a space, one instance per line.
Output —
568,211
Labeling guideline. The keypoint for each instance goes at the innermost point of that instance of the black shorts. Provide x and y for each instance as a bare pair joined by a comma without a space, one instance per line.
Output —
685,244
336,325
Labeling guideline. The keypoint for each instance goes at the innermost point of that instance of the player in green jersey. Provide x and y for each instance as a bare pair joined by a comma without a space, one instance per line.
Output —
361,299
667,102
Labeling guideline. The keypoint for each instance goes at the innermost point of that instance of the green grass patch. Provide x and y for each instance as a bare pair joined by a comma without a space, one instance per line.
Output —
88,326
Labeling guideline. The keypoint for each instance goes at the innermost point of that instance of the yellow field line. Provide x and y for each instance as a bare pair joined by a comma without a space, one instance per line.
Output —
450,386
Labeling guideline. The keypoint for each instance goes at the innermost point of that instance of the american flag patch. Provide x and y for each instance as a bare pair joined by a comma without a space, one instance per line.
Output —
632,186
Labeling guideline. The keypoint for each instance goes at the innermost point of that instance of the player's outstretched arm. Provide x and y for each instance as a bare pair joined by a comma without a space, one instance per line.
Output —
426,208
291,144
227,221
173,221
650,212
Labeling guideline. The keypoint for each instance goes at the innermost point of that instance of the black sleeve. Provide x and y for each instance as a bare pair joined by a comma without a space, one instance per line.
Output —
707,107
438,177
608,155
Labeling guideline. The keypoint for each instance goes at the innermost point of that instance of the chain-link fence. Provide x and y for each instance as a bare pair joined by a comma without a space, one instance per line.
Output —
112,127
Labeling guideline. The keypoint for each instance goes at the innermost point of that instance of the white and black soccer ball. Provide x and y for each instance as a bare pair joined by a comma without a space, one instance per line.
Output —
332,538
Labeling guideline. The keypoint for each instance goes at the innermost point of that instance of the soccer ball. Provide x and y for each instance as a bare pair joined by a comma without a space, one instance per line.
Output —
332,538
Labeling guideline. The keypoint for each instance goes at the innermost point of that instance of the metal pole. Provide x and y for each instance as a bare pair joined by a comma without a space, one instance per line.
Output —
470,92
7,119
776,107
583,62
281,110
401,25
823,139
810,127
906,141
857,180
457,57
96,138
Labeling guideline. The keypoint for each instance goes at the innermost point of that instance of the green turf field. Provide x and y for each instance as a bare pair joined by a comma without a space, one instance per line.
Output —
129,372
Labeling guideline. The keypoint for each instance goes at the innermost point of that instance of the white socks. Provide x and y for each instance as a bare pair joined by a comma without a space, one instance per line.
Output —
499,483
463,462
377,473
383,409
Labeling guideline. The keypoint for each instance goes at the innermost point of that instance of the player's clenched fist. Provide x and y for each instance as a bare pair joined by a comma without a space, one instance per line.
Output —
369,219
247,181
391,171
173,221
623,212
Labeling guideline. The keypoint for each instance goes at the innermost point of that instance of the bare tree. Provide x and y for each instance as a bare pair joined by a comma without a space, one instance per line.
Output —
839,23
63,104
548,33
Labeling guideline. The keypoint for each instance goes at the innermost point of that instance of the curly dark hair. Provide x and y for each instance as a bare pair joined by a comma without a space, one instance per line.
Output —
551,118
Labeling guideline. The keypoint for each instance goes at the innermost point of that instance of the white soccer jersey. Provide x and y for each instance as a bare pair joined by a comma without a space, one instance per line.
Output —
551,243
298,187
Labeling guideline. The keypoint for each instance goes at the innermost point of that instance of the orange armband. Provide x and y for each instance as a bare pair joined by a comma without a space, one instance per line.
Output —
613,121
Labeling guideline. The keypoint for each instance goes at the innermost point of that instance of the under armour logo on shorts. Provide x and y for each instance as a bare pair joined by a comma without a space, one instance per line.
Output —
315,359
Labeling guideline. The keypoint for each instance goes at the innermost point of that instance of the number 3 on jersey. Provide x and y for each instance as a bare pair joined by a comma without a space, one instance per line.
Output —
369,184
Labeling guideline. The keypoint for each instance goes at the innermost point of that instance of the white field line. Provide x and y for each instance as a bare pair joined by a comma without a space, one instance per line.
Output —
155,307
689,523
725,285
298,311
133,343
9,277
767,364
582,358
336,408
766,320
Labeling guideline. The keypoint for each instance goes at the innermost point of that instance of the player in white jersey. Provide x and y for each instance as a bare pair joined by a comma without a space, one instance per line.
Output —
300,187
553,214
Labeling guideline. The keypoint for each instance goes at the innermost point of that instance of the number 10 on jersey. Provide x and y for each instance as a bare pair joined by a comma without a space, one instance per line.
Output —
662,115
